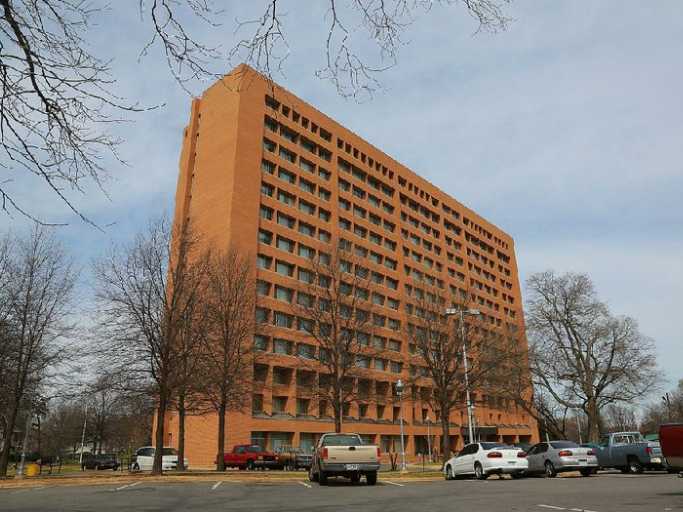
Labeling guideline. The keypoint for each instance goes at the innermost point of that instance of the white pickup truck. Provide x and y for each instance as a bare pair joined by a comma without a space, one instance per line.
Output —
344,455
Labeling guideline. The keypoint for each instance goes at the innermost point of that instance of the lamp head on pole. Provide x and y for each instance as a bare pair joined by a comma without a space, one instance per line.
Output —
399,387
457,311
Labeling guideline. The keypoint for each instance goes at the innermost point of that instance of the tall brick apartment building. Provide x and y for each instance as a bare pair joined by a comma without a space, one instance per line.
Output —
267,173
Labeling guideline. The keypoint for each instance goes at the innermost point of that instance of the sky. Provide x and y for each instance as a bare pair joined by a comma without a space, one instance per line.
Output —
565,130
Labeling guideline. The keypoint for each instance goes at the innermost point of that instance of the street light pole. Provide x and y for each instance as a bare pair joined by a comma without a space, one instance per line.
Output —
85,422
462,312
399,392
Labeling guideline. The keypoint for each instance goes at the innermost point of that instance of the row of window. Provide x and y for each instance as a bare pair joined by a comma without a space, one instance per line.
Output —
298,118
295,138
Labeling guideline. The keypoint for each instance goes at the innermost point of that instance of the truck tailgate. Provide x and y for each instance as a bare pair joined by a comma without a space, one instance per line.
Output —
352,454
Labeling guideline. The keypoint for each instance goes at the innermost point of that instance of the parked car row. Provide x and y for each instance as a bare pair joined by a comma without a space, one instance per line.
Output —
626,451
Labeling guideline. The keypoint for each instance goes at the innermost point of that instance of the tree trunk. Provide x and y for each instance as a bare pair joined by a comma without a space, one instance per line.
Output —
181,432
593,416
445,437
338,407
4,457
220,456
159,435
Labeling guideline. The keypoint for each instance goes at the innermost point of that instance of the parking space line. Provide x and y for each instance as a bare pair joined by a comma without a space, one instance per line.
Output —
216,486
29,489
393,483
128,486
552,507
306,485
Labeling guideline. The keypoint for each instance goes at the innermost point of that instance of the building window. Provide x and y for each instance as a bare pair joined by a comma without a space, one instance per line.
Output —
284,294
306,252
324,236
306,229
266,213
380,364
306,351
306,186
302,405
323,194
269,145
267,190
396,367
264,261
395,345
284,244
257,404
287,176
279,404
267,166
287,155
263,288
261,342
306,165
306,207
305,275
285,198
283,319
265,237
284,268
282,347
286,220
262,315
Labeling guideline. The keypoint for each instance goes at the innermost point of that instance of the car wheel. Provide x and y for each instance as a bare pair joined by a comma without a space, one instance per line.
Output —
634,466
519,474
371,478
322,478
135,466
250,465
312,477
479,472
449,473
586,472
550,470
355,478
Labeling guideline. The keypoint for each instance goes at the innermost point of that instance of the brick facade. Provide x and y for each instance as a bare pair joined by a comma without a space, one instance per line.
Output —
265,172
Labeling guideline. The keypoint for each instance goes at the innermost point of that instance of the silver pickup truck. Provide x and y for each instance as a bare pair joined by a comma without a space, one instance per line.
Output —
629,452
344,455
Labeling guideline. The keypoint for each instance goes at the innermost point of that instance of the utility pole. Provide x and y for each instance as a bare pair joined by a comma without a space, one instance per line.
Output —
399,392
22,462
85,422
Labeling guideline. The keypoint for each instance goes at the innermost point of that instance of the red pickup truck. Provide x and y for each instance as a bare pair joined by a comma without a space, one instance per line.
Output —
671,439
251,456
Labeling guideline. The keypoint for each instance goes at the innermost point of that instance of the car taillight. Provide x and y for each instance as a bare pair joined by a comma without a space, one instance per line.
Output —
648,450
494,455
565,453
325,454
379,453
521,455
590,452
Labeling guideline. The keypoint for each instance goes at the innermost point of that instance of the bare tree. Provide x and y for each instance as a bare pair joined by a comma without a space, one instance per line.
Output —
667,409
582,356
439,342
229,349
336,310
59,98
145,294
36,294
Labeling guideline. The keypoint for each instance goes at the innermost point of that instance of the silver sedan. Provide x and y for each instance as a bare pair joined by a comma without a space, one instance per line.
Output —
556,457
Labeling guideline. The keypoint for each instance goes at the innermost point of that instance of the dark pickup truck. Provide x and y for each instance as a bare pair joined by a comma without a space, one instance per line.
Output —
251,456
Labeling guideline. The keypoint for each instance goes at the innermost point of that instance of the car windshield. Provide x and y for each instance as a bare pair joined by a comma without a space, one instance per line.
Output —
559,445
342,440
496,446
169,451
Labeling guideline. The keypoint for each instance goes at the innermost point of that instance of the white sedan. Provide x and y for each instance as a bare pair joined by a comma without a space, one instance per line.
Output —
144,459
484,459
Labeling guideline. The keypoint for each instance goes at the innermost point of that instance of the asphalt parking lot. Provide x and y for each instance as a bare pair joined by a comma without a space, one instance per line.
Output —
602,493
